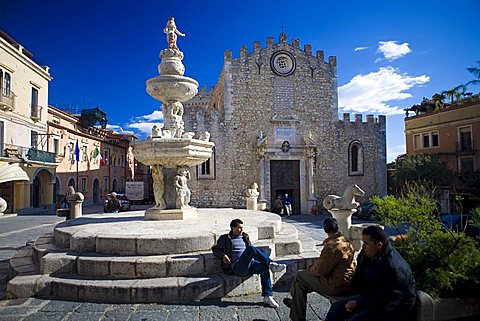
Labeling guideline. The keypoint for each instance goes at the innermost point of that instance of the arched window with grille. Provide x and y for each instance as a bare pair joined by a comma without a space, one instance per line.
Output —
355,158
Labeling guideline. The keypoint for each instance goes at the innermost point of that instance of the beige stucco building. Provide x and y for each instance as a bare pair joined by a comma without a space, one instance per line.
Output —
453,134
90,176
23,127
273,117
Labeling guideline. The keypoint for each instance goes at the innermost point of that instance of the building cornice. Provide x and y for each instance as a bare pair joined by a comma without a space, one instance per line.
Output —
25,60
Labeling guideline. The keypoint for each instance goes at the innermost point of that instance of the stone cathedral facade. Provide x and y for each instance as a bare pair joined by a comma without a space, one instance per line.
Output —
273,117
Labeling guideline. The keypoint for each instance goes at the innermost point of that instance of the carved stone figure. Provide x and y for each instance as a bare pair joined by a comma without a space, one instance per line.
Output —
172,32
205,136
183,192
158,187
173,113
156,131
252,190
345,202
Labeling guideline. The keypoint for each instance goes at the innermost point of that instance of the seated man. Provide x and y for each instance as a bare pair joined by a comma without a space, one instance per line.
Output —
239,257
330,275
383,282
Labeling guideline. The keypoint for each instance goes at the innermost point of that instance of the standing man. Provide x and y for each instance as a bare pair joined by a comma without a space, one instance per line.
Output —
278,205
383,283
287,204
330,275
239,257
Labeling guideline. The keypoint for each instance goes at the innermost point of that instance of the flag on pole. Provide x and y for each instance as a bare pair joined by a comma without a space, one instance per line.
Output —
77,152
98,157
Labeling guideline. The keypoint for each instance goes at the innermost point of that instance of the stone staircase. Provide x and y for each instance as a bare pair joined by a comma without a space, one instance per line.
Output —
123,259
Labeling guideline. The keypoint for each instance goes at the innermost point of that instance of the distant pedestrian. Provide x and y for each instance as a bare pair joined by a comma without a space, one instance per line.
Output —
278,205
113,204
287,204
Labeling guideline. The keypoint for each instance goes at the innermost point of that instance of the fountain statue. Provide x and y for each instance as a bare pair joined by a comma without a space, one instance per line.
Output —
170,151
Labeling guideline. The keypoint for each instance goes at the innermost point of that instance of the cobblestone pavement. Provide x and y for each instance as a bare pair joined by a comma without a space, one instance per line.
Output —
229,309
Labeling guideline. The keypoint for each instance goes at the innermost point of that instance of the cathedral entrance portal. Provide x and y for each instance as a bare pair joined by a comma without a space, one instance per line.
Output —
285,179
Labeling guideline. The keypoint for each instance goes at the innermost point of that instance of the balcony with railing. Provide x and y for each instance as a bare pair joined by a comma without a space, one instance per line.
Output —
36,112
26,154
7,101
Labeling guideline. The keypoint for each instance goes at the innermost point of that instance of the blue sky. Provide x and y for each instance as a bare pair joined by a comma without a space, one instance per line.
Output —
390,54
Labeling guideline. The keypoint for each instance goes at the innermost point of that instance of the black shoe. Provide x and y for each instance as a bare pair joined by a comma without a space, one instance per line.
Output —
287,302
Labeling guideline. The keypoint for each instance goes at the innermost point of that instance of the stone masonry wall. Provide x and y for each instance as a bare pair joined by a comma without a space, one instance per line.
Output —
250,100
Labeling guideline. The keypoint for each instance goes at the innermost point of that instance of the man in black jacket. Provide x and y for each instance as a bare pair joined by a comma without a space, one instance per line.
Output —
383,283
239,257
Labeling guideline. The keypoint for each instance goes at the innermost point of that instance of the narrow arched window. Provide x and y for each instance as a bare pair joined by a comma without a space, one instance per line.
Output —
355,158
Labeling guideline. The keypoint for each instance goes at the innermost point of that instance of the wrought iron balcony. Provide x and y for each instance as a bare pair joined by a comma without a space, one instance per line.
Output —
7,102
25,154
41,155
36,112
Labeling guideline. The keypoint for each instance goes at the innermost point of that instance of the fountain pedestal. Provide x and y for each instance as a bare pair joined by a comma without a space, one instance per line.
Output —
170,151
344,219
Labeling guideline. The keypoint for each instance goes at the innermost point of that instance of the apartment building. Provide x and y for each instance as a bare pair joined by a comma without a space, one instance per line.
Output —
453,133
105,159
23,127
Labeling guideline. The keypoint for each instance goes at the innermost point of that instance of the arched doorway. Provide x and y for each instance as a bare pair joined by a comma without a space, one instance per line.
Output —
114,185
36,189
96,190
42,189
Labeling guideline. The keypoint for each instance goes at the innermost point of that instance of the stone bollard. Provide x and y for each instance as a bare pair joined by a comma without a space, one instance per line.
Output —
252,203
75,200
344,219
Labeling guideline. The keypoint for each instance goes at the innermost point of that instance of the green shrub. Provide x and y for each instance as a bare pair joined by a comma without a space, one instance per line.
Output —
444,262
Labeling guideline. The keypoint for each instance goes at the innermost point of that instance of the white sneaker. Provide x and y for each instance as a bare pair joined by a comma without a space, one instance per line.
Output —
275,267
268,300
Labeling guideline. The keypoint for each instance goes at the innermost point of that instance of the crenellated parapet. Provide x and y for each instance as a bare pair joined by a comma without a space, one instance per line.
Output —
370,120
270,43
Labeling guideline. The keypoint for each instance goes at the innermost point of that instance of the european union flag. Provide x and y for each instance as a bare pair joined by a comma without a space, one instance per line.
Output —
77,152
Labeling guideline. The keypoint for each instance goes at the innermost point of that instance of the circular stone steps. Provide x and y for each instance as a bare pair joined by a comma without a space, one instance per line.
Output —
131,235
122,258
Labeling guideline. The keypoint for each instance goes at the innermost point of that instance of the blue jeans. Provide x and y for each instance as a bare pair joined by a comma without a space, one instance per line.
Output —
253,261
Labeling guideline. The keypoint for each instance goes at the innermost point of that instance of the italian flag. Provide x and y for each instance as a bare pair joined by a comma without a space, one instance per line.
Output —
98,157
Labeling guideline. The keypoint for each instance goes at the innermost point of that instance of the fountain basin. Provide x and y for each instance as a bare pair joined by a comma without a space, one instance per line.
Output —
172,88
173,152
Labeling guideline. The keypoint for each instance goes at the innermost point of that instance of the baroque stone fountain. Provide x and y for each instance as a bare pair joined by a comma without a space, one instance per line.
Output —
170,151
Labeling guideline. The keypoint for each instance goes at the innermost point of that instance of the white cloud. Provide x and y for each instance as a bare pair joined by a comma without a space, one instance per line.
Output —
360,48
394,150
371,92
119,129
144,127
391,50
155,115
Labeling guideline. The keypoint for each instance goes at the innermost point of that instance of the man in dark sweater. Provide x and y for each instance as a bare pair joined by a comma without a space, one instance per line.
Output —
239,257
383,283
